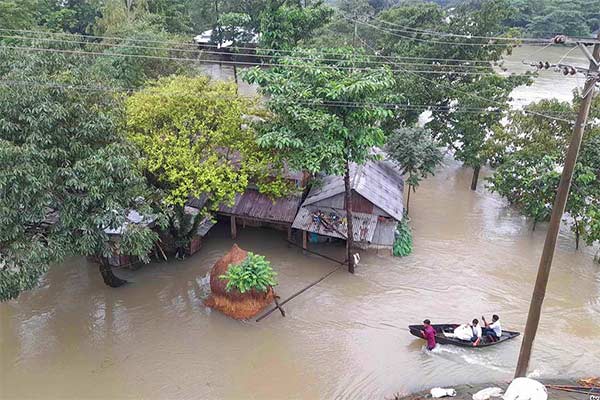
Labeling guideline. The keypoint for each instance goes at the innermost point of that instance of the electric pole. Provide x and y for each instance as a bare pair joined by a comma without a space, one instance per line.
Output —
560,201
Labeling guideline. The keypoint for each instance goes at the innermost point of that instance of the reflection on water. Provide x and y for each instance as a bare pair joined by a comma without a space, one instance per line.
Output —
345,338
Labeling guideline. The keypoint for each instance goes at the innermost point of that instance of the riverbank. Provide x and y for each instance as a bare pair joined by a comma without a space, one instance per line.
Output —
465,392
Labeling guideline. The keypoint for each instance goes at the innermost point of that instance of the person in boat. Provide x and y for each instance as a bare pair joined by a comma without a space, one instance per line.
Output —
476,329
428,333
493,329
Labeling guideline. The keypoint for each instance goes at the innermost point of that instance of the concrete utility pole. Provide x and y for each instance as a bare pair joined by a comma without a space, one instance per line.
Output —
558,209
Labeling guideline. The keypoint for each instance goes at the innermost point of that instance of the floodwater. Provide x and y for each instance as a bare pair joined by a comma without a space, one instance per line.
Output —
75,338
549,83
345,338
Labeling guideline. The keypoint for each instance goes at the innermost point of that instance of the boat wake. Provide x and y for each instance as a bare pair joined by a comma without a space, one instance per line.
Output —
467,356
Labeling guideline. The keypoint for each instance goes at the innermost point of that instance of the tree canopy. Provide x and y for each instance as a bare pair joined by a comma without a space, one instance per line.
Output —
416,153
530,172
66,171
317,125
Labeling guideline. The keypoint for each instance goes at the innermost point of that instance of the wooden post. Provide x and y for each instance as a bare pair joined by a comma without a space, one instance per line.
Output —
304,240
233,228
289,233
539,291
475,177
350,230
281,310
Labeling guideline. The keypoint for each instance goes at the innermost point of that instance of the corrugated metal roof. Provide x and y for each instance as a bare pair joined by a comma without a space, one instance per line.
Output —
133,217
331,222
205,226
252,204
379,181
197,202
385,233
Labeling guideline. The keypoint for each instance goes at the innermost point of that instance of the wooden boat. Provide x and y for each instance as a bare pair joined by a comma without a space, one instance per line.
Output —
444,332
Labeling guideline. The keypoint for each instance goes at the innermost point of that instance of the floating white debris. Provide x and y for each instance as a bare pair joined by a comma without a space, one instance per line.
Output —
438,392
487,393
525,389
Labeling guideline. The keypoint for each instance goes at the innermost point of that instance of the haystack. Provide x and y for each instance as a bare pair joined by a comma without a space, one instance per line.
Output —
233,303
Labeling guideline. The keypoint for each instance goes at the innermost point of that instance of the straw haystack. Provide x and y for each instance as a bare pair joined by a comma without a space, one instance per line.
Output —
233,303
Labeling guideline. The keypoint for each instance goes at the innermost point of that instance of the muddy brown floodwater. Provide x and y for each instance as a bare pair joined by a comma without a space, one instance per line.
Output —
346,338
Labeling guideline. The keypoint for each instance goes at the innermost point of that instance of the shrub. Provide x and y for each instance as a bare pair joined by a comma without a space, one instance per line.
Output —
403,244
254,272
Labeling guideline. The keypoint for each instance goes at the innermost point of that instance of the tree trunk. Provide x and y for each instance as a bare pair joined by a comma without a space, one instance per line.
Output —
350,231
534,224
235,78
233,228
110,279
408,199
577,235
475,177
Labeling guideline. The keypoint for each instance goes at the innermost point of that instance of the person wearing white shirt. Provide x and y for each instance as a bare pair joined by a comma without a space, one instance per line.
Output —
476,329
494,329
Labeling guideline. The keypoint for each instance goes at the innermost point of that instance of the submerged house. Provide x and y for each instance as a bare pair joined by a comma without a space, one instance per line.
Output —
118,259
192,208
377,206
253,208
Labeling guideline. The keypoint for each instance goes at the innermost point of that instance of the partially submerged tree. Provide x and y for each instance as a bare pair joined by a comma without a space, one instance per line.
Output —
466,96
416,153
530,172
325,114
66,172
193,141
471,127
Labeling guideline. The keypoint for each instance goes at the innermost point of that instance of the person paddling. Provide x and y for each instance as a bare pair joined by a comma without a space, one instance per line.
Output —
428,333
494,329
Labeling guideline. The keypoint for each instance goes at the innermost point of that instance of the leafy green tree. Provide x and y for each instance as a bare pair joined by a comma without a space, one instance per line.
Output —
191,134
530,173
66,171
416,153
544,18
175,14
285,23
72,16
467,99
321,122
471,133
16,14
233,27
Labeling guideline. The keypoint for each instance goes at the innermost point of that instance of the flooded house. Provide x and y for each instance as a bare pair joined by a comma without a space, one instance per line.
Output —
253,208
118,259
377,206
192,208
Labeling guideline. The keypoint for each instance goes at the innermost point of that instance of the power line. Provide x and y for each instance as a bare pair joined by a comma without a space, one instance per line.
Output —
201,52
465,36
470,94
394,33
246,64
318,103
255,49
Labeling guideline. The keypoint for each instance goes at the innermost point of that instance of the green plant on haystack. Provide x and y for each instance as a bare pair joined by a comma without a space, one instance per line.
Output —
403,243
254,273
